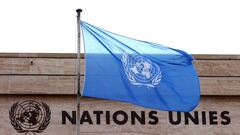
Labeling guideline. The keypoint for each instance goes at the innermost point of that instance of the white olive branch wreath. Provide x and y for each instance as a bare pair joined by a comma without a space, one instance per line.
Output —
155,81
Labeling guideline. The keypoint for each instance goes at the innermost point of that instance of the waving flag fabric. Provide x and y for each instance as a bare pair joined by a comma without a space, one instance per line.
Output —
138,72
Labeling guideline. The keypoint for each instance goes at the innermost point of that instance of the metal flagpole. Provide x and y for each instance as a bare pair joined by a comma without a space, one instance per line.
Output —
78,69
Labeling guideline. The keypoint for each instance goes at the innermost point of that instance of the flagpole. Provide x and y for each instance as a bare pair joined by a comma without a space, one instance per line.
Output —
78,69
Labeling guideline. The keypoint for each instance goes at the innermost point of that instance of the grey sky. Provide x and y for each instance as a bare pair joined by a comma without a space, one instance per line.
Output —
196,26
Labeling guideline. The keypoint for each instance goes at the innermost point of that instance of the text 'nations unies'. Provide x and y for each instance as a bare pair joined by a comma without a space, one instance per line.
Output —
147,117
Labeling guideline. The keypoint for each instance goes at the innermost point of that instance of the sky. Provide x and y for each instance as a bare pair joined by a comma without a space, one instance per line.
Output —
49,26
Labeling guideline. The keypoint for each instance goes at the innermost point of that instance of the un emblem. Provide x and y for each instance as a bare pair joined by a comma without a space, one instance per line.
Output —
141,71
30,117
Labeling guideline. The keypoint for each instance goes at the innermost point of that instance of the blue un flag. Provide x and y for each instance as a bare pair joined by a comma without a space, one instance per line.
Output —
138,72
